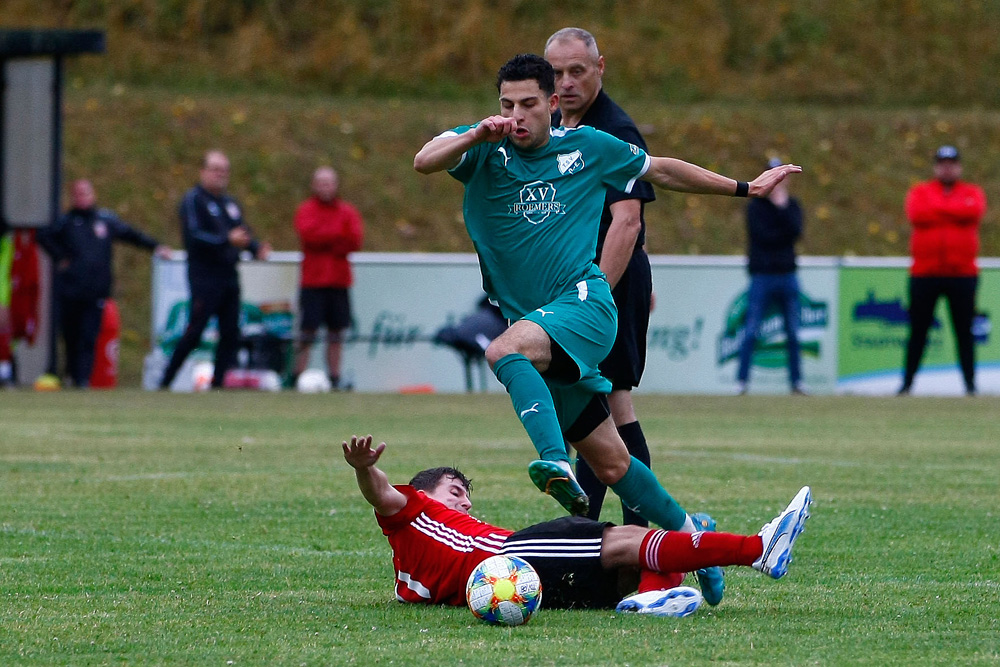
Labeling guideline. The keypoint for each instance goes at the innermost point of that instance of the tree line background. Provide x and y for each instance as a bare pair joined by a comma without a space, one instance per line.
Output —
849,51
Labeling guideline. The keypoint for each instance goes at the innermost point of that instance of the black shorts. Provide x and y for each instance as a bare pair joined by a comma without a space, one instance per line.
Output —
330,306
566,553
627,360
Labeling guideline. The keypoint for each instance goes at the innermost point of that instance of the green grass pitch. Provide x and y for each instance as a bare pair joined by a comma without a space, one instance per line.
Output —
140,528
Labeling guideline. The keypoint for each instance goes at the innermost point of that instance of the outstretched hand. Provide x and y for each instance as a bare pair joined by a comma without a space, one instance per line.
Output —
763,184
495,128
359,453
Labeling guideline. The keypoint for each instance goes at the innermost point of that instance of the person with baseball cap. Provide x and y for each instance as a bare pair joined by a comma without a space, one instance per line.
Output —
944,213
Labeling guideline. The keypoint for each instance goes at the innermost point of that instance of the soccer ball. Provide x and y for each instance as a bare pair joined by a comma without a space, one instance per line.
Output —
313,381
201,375
504,590
269,381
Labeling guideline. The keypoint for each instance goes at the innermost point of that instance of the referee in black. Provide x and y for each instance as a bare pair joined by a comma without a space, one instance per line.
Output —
214,236
582,101
621,255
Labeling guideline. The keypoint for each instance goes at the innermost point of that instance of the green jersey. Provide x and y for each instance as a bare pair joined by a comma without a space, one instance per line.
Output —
533,216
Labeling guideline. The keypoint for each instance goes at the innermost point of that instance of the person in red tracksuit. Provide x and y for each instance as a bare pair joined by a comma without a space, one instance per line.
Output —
945,213
329,229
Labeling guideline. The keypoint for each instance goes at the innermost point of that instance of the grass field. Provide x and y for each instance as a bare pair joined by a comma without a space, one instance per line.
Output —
226,529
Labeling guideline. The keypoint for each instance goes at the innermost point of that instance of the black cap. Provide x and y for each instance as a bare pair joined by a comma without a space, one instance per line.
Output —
946,153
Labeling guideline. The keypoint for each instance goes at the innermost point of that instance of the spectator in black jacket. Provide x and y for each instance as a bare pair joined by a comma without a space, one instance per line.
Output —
80,245
214,236
774,224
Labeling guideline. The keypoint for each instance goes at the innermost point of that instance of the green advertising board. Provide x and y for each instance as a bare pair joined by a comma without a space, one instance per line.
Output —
874,327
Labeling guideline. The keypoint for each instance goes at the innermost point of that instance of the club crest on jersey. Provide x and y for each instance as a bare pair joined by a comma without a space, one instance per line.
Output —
538,202
569,163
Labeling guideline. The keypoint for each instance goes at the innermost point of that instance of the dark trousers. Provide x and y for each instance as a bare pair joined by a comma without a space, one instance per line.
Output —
80,320
961,295
222,301
784,289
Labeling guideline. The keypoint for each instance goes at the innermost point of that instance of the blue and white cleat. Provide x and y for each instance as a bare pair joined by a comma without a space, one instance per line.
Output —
780,533
556,478
677,602
711,579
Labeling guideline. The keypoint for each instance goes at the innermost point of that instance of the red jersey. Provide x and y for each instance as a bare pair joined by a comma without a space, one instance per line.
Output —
945,238
435,548
328,232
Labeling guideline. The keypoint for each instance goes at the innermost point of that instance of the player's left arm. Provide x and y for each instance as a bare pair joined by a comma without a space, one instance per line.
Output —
626,221
374,484
679,176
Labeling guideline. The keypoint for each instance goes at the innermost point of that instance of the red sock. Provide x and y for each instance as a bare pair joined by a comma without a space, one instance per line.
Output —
659,581
5,354
670,551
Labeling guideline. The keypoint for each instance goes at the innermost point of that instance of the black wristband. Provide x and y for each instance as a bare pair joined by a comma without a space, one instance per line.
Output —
742,189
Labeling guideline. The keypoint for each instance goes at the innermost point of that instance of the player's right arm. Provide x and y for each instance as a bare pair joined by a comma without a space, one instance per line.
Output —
445,151
374,484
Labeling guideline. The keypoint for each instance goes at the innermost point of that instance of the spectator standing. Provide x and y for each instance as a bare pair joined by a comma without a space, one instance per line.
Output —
774,225
215,235
579,70
329,230
944,213
80,245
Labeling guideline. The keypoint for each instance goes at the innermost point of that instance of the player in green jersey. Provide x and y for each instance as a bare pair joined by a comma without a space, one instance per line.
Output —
533,199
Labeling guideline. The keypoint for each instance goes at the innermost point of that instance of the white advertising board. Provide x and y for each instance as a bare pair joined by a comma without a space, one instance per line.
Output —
400,300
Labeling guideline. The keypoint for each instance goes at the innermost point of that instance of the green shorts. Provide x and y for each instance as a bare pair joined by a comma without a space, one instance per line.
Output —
583,322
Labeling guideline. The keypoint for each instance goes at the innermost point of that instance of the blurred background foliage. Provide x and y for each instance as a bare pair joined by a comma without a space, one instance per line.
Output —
845,51
860,92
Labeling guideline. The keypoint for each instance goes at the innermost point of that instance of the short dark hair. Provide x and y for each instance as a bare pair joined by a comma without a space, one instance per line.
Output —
425,480
527,66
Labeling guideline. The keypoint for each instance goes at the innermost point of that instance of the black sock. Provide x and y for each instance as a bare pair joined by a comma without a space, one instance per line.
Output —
593,487
635,441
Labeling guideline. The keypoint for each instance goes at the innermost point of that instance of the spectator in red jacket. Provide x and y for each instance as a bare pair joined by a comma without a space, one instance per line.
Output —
945,214
329,229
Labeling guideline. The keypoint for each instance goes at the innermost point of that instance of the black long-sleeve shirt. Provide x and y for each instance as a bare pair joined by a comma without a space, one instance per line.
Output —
83,238
605,115
206,221
771,235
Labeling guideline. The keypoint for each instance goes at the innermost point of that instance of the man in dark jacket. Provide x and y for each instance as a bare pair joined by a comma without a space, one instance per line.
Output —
774,224
214,236
80,245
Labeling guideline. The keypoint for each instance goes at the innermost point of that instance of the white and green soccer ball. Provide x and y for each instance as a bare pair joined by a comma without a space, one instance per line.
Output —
504,590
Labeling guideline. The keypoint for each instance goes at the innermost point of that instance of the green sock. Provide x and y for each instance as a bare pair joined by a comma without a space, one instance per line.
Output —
643,494
533,404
